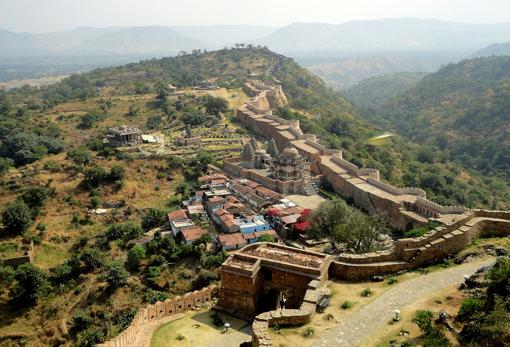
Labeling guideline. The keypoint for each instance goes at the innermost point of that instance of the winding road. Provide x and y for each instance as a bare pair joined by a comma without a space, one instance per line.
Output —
361,324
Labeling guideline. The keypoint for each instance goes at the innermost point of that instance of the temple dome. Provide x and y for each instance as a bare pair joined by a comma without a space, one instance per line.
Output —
290,153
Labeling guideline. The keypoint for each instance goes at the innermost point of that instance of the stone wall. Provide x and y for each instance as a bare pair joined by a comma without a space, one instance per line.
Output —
27,256
435,245
159,310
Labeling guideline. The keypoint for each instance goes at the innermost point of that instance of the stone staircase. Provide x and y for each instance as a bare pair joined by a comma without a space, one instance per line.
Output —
311,189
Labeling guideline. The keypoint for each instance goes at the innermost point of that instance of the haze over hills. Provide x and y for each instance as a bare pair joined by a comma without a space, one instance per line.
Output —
352,51
387,35
495,49
346,72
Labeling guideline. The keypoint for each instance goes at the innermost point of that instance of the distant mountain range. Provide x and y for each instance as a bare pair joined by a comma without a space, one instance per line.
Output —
346,72
153,40
342,54
387,35
495,49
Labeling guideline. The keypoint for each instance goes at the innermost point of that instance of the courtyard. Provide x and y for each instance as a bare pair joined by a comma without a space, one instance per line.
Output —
197,328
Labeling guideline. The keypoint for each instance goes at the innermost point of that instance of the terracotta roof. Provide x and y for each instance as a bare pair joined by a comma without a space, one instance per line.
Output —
176,215
291,219
193,234
251,184
216,199
231,239
232,199
267,192
220,212
215,176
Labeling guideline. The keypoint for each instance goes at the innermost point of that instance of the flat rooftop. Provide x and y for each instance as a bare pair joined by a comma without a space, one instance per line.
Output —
285,254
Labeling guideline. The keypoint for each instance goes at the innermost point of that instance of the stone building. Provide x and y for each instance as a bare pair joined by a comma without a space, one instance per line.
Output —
255,279
187,138
290,165
124,136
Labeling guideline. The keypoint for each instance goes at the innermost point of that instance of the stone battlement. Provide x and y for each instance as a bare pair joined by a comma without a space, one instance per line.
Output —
150,313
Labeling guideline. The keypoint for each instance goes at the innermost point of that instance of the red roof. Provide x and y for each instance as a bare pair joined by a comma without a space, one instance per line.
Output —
216,199
193,234
177,215
264,192
234,239
251,184
302,227
291,219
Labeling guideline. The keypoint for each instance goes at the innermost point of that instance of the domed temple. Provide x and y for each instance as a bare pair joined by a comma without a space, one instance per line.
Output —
290,165
287,172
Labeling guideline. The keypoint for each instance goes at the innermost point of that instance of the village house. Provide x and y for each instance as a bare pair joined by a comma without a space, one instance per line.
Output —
179,220
234,241
192,234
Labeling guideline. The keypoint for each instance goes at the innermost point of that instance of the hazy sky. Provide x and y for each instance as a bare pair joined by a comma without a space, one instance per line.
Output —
53,15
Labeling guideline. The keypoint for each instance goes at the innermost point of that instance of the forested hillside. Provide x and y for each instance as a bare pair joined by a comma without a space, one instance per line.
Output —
376,91
463,110
90,272
322,111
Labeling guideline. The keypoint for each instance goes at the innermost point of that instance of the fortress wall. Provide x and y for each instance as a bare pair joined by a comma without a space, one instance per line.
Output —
349,271
367,258
413,191
373,174
434,207
350,167
384,186
160,310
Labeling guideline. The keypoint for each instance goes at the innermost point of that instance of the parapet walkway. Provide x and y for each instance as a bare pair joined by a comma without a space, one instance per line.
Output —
379,312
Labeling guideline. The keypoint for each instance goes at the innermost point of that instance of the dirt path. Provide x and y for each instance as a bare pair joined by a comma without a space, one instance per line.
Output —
380,311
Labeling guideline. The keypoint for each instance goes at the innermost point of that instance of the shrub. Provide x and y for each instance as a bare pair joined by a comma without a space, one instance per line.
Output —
52,166
135,257
366,292
31,284
153,296
470,308
205,278
16,217
115,274
346,305
392,280
153,218
92,258
35,197
80,156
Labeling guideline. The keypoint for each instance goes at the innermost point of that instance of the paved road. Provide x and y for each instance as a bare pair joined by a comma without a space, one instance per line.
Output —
362,323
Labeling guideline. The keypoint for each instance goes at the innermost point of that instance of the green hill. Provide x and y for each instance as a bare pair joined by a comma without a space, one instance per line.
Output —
464,110
376,91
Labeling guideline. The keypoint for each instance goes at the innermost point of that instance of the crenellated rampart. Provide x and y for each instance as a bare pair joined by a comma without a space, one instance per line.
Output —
150,313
